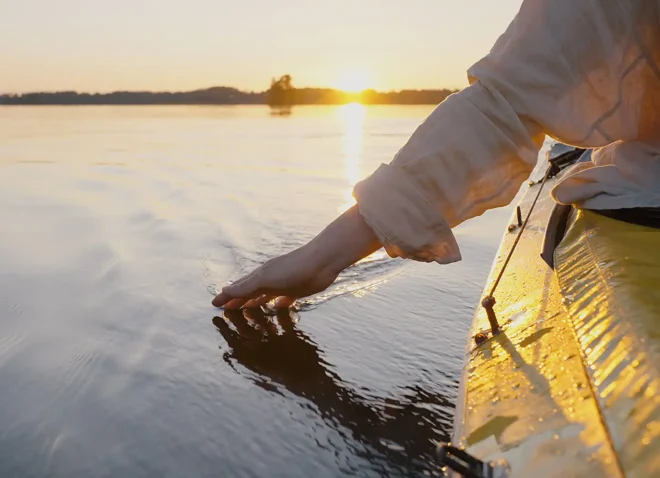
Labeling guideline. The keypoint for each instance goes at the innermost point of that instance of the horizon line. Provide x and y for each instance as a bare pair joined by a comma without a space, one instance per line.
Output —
244,91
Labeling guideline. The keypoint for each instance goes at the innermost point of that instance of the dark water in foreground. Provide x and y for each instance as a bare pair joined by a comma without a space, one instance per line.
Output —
117,224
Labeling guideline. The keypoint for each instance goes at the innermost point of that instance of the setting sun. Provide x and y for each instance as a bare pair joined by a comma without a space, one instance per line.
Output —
353,81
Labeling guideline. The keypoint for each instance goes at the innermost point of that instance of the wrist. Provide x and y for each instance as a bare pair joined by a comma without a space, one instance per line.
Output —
344,242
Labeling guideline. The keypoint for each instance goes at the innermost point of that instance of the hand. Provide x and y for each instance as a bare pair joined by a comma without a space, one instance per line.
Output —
298,274
305,271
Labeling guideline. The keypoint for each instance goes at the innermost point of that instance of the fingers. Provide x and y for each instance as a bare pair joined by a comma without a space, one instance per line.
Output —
284,302
235,304
251,303
245,288
227,303
220,299
231,301
258,302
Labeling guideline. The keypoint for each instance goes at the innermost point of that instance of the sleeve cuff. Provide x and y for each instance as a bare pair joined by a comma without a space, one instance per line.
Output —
403,219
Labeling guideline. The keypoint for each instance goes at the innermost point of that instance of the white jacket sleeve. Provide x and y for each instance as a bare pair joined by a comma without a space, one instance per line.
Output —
577,70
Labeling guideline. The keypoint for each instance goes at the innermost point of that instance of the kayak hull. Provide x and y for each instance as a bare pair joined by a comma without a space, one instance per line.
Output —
569,387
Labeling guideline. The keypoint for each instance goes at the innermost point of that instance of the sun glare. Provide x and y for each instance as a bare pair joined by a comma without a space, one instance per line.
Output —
353,81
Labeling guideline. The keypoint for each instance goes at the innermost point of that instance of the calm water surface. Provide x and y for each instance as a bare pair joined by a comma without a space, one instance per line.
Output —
118,225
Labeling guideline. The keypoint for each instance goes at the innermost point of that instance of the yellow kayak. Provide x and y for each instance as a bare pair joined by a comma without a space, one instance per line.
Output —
570,386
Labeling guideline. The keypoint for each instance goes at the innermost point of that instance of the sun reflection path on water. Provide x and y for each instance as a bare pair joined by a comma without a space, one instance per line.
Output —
352,116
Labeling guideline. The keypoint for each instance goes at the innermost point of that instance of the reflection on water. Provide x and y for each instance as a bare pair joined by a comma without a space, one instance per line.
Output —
353,115
402,429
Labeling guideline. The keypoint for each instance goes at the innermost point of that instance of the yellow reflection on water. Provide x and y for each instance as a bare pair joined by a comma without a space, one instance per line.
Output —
352,115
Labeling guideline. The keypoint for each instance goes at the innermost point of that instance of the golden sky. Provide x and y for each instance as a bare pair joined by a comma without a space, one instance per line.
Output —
106,45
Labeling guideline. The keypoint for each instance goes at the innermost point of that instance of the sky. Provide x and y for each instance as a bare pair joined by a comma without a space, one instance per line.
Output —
174,45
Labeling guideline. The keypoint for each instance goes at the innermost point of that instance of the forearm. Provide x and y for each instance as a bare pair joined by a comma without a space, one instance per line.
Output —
344,241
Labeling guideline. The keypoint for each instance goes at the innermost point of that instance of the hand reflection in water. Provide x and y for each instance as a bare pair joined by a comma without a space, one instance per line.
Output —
403,430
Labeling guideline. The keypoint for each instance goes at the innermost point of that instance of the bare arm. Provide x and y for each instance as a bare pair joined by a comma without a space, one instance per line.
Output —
307,270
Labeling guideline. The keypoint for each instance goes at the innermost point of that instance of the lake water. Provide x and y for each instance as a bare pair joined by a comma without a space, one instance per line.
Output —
117,227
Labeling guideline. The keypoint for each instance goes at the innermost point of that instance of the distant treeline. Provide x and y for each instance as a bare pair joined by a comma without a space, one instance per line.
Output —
210,96
289,96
